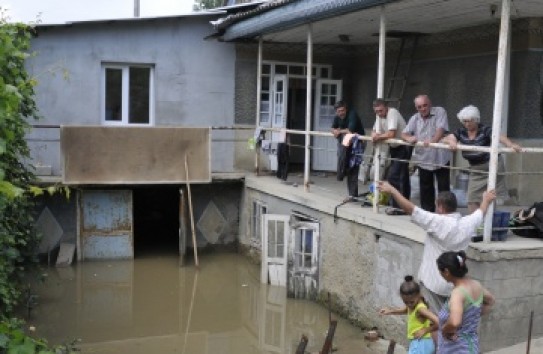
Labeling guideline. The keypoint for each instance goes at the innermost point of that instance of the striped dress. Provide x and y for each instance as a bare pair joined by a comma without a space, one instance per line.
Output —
468,339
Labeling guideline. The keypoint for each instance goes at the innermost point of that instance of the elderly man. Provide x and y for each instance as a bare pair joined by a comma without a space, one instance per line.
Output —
446,231
345,122
389,124
429,125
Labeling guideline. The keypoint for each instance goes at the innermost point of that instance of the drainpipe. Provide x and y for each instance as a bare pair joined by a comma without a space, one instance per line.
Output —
380,94
309,72
498,111
136,8
258,100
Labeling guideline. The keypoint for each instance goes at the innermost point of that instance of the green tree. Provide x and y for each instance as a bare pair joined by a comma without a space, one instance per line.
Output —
17,105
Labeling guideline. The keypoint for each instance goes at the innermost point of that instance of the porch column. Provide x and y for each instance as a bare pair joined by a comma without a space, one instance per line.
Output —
308,112
258,99
380,94
498,110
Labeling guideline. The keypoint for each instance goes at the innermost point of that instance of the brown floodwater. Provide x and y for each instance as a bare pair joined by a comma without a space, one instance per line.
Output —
152,305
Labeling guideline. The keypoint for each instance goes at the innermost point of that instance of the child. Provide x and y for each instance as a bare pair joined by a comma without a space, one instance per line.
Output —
421,322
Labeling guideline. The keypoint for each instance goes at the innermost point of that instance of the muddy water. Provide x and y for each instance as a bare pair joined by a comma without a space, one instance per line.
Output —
151,305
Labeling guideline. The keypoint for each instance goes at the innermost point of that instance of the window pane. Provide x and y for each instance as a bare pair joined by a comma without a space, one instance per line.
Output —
266,68
281,69
324,72
296,70
265,83
114,94
139,95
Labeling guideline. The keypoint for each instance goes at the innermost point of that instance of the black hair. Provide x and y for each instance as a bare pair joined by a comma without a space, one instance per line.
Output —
340,103
409,286
447,200
455,262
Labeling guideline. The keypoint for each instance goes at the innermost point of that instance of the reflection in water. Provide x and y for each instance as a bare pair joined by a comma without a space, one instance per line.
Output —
151,305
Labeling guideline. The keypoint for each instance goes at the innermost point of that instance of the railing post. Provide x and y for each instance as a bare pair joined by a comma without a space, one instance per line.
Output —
308,112
380,93
498,111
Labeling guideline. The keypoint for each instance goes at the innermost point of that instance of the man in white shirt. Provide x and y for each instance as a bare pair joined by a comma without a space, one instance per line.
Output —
389,124
446,230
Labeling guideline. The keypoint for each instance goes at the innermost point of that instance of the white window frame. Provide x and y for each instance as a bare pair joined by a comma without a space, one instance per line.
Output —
266,117
259,209
125,68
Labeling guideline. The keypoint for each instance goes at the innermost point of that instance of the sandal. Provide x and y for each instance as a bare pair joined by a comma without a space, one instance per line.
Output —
394,211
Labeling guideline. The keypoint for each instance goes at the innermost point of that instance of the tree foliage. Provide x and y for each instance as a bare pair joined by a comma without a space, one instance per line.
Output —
17,105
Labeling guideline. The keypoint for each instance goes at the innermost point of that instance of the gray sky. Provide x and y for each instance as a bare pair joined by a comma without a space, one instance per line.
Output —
59,11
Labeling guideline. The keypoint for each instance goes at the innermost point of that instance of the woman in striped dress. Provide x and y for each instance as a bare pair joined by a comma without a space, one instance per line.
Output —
461,314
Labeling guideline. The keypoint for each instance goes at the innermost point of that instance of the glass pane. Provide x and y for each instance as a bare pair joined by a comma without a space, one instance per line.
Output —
296,70
271,239
264,117
308,245
307,261
281,69
332,101
333,89
139,90
324,101
265,83
265,97
280,233
280,249
325,89
266,68
279,86
299,260
324,72
114,94
314,71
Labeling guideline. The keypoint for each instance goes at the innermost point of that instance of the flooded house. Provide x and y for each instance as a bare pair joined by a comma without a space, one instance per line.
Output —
134,109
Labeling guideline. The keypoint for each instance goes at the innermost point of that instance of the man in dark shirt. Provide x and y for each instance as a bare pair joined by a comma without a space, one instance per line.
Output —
345,122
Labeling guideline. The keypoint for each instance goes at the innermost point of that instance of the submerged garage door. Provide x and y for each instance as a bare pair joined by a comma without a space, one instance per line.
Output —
106,224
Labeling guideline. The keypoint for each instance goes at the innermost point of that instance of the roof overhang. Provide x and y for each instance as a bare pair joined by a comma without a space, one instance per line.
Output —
357,21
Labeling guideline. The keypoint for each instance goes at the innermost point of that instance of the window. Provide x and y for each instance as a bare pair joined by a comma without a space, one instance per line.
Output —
259,209
128,94
303,248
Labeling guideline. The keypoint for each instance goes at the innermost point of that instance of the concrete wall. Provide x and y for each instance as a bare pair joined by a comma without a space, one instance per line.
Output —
363,267
193,77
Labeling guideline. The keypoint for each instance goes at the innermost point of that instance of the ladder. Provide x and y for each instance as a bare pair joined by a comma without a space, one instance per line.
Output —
397,84
400,74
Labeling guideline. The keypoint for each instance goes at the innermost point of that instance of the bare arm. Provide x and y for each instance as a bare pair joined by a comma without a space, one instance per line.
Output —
425,314
409,138
451,141
507,142
488,197
389,311
456,311
382,136
440,132
404,203
488,301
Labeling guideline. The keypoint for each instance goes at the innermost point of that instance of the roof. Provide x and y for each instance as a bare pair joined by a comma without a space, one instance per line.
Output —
285,20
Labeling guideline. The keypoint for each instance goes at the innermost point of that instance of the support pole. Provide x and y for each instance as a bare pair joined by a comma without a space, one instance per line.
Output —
498,111
194,245
258,100
380,93
308,112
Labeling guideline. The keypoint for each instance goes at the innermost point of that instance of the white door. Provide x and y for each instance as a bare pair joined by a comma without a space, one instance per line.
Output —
280,104
274,249
328,92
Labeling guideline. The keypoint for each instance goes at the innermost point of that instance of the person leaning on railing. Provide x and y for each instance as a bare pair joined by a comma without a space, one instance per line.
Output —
473,133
